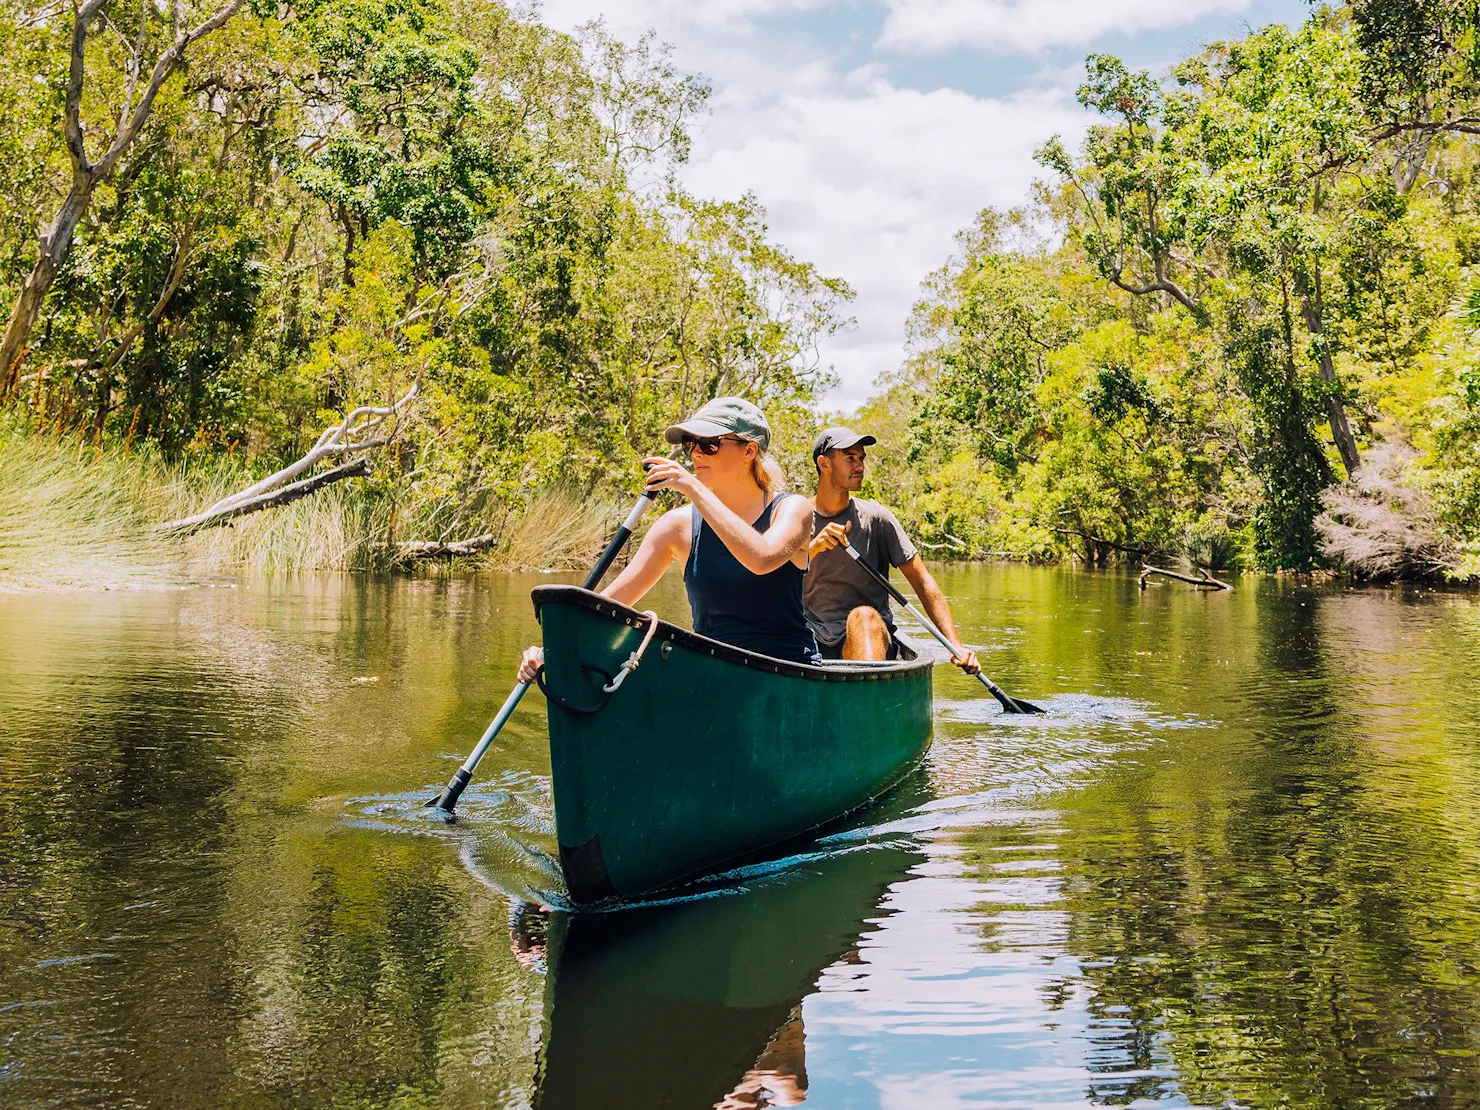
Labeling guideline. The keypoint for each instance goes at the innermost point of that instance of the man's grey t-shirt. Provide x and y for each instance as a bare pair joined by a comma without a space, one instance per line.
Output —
834,586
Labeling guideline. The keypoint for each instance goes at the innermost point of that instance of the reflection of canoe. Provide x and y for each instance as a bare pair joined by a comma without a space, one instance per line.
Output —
676,1005
706,753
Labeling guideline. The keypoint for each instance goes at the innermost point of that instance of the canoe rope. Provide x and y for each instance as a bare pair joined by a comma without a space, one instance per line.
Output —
636,657
612,681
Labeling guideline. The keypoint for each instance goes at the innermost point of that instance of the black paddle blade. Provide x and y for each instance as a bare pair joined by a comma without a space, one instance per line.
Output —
1018,705
448,798
1009,703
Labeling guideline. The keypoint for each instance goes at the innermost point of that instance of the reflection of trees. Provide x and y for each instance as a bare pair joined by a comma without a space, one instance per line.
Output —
112,788
373,961
1294,932
164,762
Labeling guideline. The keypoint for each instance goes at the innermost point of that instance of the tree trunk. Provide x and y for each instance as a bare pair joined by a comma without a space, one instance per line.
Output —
407,550
286,495
86,174
55,243
1341,432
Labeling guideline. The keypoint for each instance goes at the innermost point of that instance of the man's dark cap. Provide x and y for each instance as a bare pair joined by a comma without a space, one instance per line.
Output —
839,439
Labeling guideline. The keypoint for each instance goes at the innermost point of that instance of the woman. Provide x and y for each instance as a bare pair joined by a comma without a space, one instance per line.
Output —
743,543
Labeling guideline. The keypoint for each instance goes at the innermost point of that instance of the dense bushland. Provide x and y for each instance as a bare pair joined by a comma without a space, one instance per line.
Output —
1245,281
1235,323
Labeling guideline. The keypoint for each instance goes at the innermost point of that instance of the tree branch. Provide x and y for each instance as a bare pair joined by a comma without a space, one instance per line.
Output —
72,109
1146,571
177,274
168,61
1100,539
348,435
213,516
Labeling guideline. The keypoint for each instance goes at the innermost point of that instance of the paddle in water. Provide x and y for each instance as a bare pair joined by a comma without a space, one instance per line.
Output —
1009,703
448,798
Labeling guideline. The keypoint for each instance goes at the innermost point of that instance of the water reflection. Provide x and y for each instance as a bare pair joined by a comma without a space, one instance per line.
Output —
698,1003
1235,865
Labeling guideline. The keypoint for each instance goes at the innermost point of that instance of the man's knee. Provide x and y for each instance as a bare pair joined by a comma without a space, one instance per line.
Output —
868,635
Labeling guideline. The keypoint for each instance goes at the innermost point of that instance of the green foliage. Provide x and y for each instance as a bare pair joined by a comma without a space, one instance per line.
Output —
1285,454
349,196
1241,281
1246,275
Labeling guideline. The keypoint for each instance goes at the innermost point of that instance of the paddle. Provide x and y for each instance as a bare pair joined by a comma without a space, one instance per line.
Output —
448,798
1009,703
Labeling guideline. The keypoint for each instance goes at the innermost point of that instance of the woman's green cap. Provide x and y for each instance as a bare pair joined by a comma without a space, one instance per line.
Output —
724,416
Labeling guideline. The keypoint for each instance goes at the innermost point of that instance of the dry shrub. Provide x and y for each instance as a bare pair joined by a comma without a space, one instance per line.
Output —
74,516
561,529
1379,525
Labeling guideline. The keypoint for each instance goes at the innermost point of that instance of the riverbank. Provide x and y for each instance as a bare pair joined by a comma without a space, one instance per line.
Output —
74,516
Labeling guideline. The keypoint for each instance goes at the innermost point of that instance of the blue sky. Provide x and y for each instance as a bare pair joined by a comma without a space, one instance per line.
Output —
873,130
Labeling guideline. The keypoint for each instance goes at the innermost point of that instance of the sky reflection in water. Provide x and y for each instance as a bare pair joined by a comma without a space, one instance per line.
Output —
1235,865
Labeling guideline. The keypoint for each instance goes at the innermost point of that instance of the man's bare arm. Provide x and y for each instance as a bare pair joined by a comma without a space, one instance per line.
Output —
936,608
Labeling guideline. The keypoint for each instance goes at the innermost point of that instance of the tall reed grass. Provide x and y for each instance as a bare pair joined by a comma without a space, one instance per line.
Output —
73,515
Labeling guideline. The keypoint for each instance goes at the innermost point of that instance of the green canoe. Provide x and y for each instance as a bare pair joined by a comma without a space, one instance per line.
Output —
706,754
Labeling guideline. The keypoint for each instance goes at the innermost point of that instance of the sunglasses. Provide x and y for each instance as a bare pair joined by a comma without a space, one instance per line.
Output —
708,445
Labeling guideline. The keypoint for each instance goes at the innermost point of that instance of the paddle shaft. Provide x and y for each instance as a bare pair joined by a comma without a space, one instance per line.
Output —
1009,703
448,798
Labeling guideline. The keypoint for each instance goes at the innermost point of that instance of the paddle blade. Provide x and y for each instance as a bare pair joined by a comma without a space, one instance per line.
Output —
1009,703
448,798
1021,706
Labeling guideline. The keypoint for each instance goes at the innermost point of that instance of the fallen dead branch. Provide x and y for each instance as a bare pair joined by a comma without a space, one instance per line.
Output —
352,434
1206,580
213,517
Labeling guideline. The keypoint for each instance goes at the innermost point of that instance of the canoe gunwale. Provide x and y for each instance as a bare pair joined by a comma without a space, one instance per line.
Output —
703,645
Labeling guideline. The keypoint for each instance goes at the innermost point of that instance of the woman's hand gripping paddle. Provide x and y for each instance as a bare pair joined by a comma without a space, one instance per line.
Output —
1009,703
448,798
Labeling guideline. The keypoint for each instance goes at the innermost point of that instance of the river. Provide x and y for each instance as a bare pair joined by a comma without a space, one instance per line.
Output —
1236,865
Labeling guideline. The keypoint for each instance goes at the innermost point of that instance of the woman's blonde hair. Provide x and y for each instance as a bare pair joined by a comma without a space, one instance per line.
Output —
767,472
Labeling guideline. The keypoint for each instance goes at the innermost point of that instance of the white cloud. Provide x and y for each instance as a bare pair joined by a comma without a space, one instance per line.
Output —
871,183
1006,26
867,180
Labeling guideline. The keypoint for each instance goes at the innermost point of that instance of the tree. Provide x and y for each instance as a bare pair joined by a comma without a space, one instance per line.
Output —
151,26
1246,194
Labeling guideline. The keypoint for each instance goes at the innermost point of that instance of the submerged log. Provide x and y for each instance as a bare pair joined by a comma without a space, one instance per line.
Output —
1206,580
211,518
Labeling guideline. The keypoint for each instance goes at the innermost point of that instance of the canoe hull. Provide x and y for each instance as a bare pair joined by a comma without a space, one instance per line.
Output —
706,754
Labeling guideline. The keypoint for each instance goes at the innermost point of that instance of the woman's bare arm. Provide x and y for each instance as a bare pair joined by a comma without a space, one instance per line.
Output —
758,552
666,540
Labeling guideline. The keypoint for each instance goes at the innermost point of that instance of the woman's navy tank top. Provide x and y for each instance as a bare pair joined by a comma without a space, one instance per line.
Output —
757,612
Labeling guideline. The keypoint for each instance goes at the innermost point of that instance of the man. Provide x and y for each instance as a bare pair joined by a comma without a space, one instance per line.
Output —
848,610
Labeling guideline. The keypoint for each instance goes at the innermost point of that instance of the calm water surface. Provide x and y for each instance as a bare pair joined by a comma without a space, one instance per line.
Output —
1235,866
